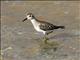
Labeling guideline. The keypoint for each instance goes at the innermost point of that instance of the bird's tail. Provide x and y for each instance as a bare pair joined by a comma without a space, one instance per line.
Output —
62,27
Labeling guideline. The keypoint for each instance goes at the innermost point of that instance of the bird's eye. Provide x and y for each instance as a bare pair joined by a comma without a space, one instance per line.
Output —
30,16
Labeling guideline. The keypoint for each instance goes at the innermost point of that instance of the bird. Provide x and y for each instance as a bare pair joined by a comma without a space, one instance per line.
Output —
42,26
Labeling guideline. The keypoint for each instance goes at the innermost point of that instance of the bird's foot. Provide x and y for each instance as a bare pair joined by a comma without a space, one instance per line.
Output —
46,40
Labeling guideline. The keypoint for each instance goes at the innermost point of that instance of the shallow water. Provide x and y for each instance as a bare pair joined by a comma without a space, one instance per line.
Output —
20,41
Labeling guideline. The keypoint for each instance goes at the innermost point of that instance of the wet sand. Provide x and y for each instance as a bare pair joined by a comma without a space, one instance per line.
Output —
20,41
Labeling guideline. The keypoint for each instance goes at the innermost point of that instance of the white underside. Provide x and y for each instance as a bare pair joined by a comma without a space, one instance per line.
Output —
36,26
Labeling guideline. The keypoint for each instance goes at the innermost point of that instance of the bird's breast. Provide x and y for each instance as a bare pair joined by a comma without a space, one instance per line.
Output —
36,25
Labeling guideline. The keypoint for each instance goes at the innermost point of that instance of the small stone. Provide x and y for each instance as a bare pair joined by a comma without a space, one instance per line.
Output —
2,51
66,12
20,33
74,48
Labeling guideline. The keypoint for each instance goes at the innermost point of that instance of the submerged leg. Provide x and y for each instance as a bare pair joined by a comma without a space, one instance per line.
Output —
46,38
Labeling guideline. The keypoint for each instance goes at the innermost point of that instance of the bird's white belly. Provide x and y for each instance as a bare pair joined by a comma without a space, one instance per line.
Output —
36,26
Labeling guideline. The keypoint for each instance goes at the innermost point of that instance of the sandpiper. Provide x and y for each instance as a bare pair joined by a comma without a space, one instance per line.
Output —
42,26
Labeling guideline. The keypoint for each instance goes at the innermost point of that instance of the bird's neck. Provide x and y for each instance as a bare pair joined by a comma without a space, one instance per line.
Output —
34,21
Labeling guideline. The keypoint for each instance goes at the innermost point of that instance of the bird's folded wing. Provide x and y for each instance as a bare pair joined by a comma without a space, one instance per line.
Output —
46,26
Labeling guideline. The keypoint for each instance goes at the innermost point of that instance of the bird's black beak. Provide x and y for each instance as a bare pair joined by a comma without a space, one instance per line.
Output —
24,20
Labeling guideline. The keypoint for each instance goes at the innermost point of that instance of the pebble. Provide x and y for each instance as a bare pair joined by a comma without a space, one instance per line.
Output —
2,51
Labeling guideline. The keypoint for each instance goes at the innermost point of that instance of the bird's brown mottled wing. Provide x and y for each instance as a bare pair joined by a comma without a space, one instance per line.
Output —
46,26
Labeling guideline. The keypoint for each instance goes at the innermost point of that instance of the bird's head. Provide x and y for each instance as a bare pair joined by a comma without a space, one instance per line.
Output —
29,16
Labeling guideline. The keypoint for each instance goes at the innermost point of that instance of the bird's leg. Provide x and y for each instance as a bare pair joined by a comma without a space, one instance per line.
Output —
45,39
49,32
